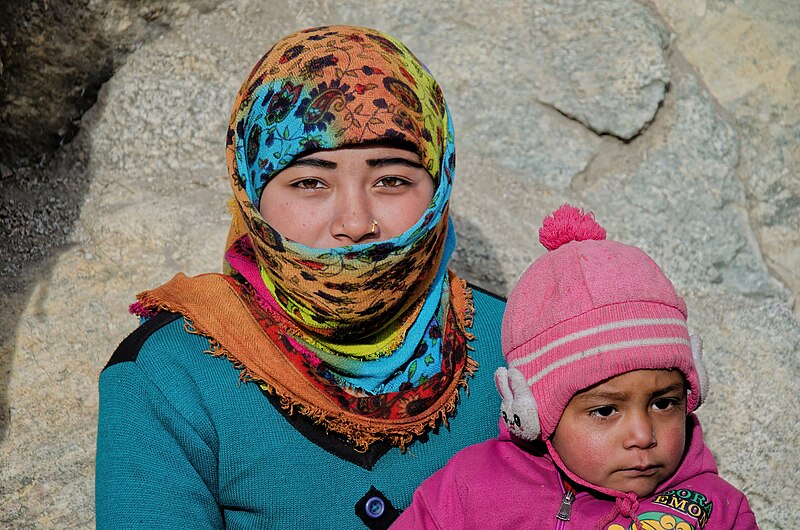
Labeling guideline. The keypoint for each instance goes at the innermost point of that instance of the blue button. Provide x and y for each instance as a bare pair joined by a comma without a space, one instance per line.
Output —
375,507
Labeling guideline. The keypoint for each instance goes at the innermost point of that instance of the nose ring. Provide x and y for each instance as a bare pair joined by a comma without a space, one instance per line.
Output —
374,226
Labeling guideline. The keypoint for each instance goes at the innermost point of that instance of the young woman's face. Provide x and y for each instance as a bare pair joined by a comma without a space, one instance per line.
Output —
626,434
347,196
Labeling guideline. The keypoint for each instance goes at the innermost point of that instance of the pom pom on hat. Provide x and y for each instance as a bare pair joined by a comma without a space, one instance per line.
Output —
567,224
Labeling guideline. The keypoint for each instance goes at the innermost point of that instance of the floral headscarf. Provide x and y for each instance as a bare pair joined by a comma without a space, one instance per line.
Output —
325,88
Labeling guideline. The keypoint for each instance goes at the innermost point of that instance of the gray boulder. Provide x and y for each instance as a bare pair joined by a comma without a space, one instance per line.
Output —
630,110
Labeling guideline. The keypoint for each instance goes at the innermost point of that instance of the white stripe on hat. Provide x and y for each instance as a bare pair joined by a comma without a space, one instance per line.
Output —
658,341
598,329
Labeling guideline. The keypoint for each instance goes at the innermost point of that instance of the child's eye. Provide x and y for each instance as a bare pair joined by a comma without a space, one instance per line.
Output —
665,403
603,412
308,184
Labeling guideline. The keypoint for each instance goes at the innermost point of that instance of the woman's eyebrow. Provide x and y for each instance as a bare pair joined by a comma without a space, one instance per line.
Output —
393,160
312,162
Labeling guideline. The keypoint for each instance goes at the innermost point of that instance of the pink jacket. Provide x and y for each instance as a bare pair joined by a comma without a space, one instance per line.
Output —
498,484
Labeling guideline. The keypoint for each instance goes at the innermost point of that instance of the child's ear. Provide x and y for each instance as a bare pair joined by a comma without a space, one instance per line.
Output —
518,409
696,342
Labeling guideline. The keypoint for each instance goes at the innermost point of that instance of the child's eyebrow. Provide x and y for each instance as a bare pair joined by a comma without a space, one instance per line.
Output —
601,395
670,389
391,161
622,395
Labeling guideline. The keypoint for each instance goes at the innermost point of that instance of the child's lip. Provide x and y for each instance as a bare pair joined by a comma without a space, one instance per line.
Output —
641,471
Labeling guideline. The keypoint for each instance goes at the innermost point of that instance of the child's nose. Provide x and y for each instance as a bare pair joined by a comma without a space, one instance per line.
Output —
640,431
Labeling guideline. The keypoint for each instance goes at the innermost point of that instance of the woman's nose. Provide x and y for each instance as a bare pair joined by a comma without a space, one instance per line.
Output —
354,221
639,431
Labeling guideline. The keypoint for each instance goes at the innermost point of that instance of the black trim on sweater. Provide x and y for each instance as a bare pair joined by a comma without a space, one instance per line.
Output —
330,441
128,349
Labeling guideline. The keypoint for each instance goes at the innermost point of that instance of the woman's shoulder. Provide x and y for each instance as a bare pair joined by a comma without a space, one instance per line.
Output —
483,296
128,350
486,324
164,332
165,367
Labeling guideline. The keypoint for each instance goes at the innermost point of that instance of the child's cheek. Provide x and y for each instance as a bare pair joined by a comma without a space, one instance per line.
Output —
673,440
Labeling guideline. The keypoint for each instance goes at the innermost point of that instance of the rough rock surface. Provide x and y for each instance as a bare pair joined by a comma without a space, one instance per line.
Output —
543,98
750,59
55,55
604,67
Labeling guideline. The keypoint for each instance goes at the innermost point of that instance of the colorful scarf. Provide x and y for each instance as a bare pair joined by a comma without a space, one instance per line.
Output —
327,88
385,321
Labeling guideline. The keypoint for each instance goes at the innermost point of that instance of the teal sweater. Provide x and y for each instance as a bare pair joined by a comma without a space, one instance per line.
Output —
183,444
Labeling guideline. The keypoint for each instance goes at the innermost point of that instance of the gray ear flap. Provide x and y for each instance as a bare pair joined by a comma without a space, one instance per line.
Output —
696,342
518,409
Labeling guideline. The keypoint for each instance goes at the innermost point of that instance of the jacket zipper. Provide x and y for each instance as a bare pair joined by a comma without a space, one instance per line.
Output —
566,507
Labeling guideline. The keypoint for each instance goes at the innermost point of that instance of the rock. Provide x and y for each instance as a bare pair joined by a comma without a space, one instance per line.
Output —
677,196
55,55
749,419
750,60
601,63
705,185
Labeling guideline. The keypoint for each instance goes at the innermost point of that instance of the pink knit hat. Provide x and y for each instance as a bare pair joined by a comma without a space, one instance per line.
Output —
584,312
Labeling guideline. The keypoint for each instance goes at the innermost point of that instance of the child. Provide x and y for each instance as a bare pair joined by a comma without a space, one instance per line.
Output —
599,396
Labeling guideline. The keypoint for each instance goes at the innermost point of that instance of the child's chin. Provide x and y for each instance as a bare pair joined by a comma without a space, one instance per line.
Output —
642,486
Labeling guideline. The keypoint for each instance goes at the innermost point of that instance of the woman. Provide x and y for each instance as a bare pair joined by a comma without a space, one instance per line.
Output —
307,386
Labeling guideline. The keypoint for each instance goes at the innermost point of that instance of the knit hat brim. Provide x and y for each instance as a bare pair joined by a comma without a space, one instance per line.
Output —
600,344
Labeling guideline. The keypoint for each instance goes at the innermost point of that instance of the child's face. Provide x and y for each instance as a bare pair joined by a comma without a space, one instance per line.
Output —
627,433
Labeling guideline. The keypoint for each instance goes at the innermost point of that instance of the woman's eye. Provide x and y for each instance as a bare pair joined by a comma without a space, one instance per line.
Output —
603,412
392,182
308,184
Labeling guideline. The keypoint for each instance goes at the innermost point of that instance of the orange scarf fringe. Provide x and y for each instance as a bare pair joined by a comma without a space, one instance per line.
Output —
213,310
